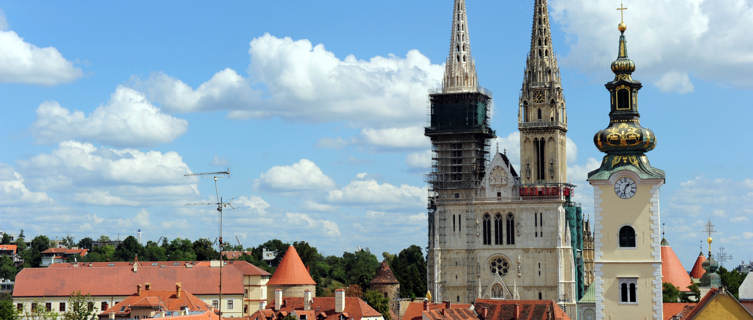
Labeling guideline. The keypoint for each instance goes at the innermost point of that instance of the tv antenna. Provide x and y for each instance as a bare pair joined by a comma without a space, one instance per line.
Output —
220,205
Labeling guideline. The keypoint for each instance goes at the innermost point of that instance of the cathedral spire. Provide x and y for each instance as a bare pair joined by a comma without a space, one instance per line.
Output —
541,66
460,69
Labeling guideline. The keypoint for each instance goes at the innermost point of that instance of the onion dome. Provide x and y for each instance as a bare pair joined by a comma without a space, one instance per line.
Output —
672,270
625,141
697,271
291,271
384,275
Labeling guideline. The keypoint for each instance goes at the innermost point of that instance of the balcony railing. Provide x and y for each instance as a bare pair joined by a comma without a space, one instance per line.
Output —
541,124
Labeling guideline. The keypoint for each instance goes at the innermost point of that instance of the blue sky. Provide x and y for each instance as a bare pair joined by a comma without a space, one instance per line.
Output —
317,109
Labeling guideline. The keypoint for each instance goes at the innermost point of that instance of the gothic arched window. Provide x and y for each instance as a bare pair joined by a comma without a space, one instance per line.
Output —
497,291
487,235
539,113
525,111
510,229
627,237
498,229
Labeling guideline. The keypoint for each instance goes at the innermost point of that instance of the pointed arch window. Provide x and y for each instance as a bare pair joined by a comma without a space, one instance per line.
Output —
498,229
627,237
510,229
535,225
539,113
525,111
453,223
487,234
497,291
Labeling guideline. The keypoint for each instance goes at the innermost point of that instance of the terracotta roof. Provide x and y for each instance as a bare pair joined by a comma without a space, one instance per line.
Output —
65,251
451,314
672,309
748,305
415,309
160,300
697,272
672,270
208,315
355,308
745,291
119,279
384,275
527,310
8,247
291,271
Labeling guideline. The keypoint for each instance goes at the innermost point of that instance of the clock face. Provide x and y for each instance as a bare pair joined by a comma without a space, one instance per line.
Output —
625,188
538,96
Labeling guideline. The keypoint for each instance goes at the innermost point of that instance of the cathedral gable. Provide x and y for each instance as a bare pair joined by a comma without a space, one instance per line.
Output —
500,180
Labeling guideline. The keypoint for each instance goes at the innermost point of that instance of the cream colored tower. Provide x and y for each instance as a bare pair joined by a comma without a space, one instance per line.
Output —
627,256
542,116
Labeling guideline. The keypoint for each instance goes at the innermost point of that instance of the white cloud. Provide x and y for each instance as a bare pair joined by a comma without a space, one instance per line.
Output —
23,62
125,176
712,42
175,224
128,119
511,146
3,21
373,193
748,235
375,214
673,81
329,228
102,198
334,143
299,80
419,160
13,189
316,206
256,204
396,138
142,218
301,176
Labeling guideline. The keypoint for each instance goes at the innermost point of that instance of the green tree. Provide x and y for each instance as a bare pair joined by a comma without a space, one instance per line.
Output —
68,242
86,243
6,239
101,253
38,244
128,249
379,302
80,307
695,294
410,269
154,252
39,312
360,267
274,245
7,311
104,239
7,268
180,250
731,280
204,251
670,293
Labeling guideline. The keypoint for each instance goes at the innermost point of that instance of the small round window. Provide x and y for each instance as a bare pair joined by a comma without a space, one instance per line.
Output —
499,266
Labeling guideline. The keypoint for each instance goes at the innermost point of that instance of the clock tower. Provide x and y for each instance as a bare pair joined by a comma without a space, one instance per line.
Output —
627,235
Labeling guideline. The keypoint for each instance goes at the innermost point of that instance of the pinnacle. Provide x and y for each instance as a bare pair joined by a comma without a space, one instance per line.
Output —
460,69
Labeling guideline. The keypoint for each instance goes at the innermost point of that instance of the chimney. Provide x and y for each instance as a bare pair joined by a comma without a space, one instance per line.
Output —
278,299
138,289
426,305
485,313
339,300
307,300
178,289
447,304
148,286
517,311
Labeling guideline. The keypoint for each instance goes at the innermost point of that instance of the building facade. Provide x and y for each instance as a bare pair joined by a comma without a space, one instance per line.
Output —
493,233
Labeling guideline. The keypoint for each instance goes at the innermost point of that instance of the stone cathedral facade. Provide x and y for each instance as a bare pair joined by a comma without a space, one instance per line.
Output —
494,232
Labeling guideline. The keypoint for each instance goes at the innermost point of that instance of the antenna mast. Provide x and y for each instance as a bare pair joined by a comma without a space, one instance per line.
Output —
220,205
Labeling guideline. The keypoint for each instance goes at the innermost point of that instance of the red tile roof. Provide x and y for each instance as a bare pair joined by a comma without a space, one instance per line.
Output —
748,305
519,309
119,279
451,314
698,271
415,309
711,295
384,275
201,316
355,308
672,270
8,247
65,251
291,271
672,309
164,300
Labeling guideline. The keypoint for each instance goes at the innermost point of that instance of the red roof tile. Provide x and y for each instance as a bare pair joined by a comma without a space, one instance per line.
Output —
451,314
119,279
384,275
526,310
355,308
672,309
57,251
698,271
415,309
748,305
291,271
8,247
166,300
672,270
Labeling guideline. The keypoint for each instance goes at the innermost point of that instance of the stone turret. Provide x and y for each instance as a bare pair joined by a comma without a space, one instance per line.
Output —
291,276
385,282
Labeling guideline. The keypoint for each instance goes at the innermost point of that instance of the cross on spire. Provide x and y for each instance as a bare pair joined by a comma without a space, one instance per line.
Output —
622,9
709,229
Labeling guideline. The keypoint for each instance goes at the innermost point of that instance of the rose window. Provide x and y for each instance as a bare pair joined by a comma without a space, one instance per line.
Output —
499,266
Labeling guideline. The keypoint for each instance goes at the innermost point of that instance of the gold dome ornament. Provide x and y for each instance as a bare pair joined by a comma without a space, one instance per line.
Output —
622,26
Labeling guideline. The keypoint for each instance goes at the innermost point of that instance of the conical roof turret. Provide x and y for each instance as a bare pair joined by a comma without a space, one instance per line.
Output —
384,275
291,271
698,271
460,69
672,270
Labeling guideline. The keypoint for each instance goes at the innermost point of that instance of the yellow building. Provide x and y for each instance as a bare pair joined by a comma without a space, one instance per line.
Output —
627,259
717,304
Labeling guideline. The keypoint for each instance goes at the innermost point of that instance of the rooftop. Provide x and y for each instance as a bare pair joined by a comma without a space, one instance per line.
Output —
291,271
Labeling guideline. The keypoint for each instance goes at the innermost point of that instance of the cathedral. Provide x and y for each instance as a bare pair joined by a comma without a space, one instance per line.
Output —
494,232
